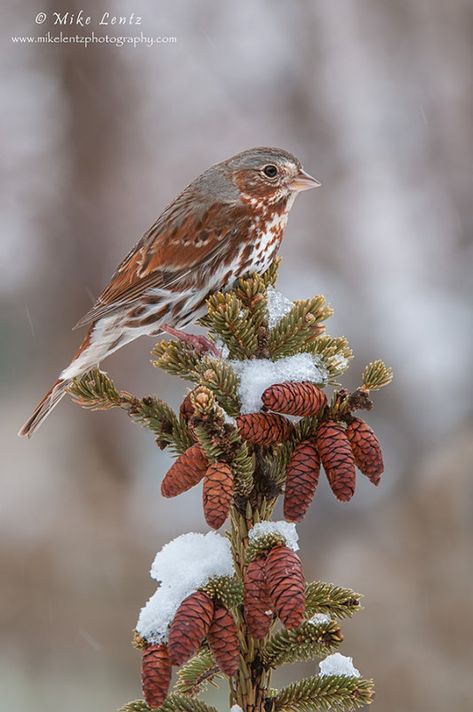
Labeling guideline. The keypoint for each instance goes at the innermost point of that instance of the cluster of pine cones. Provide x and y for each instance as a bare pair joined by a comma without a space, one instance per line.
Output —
196,619
274,583
339,445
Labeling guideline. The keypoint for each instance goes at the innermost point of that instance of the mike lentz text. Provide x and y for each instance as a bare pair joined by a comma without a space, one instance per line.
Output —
80,19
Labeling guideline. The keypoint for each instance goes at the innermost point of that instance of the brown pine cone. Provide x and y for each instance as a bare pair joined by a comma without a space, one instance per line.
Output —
186,410
301,480
366,449
294,398
257,604
223,641
286,585
155,674
189,627
263,428
217,493
186,472
337,458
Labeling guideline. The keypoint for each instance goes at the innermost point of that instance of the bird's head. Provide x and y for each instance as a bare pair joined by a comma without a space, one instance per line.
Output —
267,175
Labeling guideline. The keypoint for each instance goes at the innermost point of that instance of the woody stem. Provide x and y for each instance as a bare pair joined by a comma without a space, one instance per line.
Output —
250,684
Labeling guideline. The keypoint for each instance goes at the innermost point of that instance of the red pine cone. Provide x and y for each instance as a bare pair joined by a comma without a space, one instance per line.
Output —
301,480
337,458
263,428
257,604
186,410
223,641
217,493
189,627
366,449
155,674
294,398
286,585
186,472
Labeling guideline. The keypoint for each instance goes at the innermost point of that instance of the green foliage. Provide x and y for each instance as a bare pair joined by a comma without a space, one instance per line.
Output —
135,706
377,375
327,692
262,544
184,703
227,590
306,642
96,391
222,380
300,326
326,598
233,323
197,674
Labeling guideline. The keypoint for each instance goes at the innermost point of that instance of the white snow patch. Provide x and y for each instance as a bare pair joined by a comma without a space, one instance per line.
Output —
182,566
338,664
259,374
286,529
320,618
236,708
278,306
340,362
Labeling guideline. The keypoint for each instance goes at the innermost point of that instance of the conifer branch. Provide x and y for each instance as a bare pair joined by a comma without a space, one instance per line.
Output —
197,674
183,703
135,706
326,598
234,324
325,692
96,391
306,642
377,375
300,326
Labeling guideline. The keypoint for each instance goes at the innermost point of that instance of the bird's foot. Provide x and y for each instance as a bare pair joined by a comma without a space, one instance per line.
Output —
200,343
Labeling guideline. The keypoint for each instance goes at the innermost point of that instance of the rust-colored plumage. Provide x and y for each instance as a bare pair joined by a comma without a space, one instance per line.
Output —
187,471
337,458
301,480
217,493
228,222
223,641
263,428
286,585
155,674
257,603
189,627
294,398
366,449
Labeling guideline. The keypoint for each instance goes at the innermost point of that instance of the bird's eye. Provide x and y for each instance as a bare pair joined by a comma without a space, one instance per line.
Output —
270,171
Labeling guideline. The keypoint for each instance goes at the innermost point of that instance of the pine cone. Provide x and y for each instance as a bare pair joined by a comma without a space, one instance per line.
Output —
155,674
217,493
257,604
366,449
286,585
263,428
186,472
186,411
294,398
337,458
223,641
301,481
189,627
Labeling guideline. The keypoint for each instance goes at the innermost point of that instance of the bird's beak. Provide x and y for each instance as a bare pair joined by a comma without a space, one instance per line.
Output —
303,181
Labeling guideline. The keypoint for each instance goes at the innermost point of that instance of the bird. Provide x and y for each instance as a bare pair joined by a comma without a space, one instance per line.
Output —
228,222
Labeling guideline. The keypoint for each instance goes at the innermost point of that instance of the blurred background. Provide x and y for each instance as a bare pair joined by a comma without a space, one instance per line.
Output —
376,99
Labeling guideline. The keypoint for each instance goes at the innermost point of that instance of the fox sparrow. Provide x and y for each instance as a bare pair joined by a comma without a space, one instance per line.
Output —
228,222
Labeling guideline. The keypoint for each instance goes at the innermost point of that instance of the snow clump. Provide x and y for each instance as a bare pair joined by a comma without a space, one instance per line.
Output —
181,567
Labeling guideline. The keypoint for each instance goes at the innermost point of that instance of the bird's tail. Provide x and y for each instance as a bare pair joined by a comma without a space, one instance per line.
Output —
44,407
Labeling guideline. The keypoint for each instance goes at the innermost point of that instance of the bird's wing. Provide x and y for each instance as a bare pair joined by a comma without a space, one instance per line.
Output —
179,242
